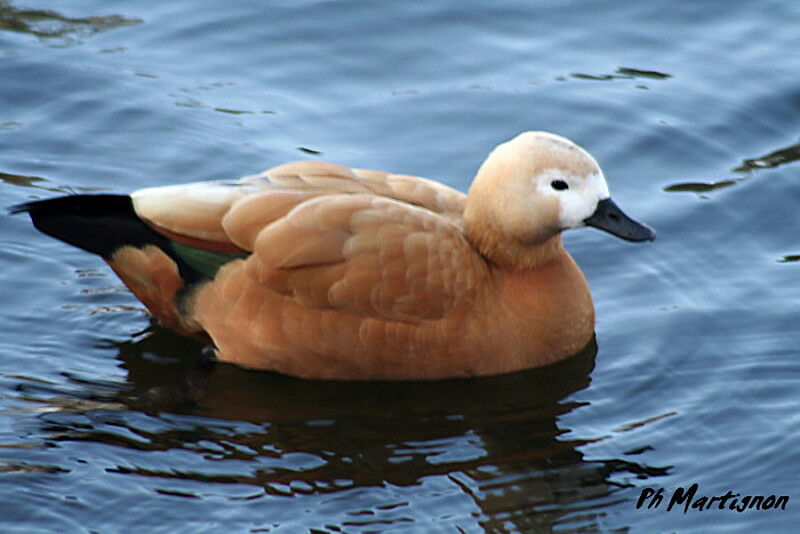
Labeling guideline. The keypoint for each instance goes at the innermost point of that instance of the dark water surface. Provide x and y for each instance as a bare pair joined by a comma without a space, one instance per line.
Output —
111,424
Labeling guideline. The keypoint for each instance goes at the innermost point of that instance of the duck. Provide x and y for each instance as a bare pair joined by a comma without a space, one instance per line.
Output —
323,271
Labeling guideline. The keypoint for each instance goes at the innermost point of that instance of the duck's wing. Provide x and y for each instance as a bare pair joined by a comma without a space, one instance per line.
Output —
364,254
367,242
193,213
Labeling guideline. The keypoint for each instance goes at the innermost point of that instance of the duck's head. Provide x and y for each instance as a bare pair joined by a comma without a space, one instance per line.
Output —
533,187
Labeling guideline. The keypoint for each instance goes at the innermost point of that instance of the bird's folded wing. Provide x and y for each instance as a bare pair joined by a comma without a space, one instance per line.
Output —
364,254
193,213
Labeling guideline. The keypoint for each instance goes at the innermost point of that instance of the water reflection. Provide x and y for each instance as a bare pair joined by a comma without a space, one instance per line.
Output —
48,24
700,187
775,158
22,180
623,73
496,441
37,182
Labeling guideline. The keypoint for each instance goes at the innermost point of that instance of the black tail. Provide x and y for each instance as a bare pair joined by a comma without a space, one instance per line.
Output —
100,224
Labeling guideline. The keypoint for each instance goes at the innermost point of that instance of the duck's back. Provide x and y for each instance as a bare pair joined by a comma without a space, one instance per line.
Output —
200,210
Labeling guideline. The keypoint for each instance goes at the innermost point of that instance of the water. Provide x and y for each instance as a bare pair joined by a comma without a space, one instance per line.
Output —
111,424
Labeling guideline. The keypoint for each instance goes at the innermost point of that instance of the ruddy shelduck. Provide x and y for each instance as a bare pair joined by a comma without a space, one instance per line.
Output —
323,271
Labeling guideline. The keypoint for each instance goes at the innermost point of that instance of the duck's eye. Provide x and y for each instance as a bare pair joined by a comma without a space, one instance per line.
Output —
559,185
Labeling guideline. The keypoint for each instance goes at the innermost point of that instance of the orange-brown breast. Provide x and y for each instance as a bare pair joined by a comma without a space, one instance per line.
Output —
546,313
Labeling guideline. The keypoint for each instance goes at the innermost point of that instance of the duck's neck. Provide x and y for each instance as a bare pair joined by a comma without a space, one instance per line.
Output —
508,253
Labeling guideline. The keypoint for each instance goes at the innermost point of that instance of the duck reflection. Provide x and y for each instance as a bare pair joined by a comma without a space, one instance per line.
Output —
497,439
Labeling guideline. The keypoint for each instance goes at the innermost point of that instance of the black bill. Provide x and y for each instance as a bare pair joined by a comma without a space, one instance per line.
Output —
613,220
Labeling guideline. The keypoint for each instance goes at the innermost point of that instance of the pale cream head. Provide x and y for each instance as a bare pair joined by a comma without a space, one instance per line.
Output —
527,191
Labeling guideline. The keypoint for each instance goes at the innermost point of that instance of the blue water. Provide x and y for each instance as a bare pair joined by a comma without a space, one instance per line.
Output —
109,423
